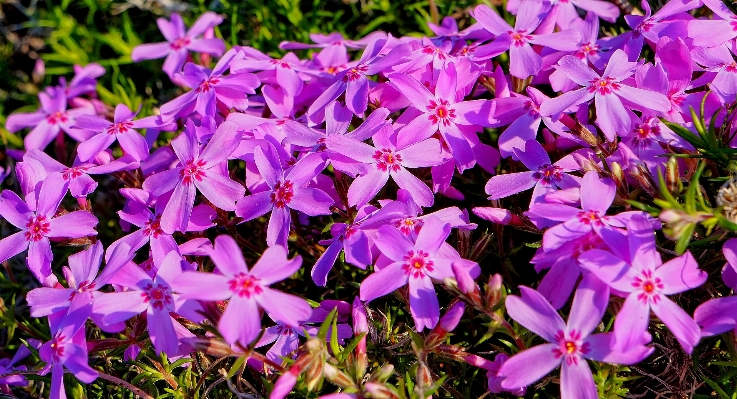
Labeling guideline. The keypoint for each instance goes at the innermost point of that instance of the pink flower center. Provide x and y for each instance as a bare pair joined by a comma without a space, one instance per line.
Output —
519,37
731,68
548,174
532,108
194,170
57,347
649,286
281,64
73,173
57,117
153,227
207,84
570,346
603,86
588,49
283,194
646,132
36,228
118,128
157,296
417,264
409,225
387,160
245,285
733,23
180,43
354,73
435,51
591,218
440,111
284,330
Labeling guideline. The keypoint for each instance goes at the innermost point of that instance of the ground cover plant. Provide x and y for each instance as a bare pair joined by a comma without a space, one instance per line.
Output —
368,200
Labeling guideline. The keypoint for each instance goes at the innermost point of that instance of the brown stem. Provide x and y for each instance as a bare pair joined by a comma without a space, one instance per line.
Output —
137,391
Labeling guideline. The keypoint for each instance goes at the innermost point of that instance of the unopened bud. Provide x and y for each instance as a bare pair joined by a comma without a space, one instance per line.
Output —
211,346
337,377
673,177
379,391
285,383
643,177
494,291
481,247
618,176
452,317
678,222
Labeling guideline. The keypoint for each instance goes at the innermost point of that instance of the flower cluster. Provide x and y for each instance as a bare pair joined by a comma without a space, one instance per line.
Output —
379,144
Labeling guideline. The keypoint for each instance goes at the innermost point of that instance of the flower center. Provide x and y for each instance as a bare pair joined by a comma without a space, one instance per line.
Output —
180,43
57,117
354,73
282,194
603,85
571,346
158,296
387,160
435,51
284,330
245,285
646,132
732,68
440,111
417,264
194,170
118,128
153,227
281,64
409,225
532,108
207,84
548,174
588,49
57,347
73,173
36,228
591,218
519,37
649,285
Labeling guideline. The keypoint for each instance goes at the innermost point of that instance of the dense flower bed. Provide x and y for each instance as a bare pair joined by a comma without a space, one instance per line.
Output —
604,152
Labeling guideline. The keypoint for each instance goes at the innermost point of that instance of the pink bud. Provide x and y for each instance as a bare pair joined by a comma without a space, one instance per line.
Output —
285,383
452,317
494,215
466,284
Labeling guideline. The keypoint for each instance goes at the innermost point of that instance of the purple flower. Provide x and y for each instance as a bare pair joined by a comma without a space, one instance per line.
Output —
247,290
646,280
211,88
121,129
543,175
495,382
82,278
38,224
443,112
153,296
286,190
388,158
414,263
718,315
8,366
179,43
49,120
568,343
719,60
197,170
523,60
606,89
711,33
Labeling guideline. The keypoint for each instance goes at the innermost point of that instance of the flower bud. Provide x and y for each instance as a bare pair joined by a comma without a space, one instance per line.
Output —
673,177
643,177
211,346
618,176
452,317
285,383
378,391
494,291
337,377
382,374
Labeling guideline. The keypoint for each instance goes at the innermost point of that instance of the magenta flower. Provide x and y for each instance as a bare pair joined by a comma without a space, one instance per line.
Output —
84,80
711,33
8,366
443,112
286,191
607,90
179,43
718,315
121,129
523,60
568,343
211,88
719,60
414,263
49,120
247,290
388,158
646,280
38,223
82,278
543,175
153,296
197,171
67,348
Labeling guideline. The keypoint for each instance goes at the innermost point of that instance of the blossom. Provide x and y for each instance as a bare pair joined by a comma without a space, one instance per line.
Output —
607,90
285,191
523,60
38,223
122,128
388,158
179,43
646,281
441,111
568,343
197,170
415,264
247,290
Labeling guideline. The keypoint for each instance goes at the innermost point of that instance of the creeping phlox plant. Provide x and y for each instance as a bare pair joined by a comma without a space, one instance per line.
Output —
286,221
